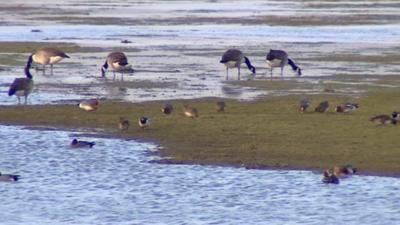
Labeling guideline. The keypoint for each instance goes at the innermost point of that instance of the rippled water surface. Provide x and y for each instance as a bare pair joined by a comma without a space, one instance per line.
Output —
114,183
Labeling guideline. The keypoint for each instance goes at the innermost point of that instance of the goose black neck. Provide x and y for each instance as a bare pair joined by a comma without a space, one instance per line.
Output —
27,72
29,62
292,64
251,67
105,66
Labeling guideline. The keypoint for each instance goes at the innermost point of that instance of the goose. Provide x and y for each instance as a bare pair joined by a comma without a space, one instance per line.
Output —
167,109
118,62
9,177
144,122
220,106
123,124
190,112
233,58
22,86
303,105
46,56
279,58
347,107
322,107
396,116
89,105
81,144
383,119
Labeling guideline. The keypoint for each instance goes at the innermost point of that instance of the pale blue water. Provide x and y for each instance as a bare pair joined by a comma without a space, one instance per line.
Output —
114,183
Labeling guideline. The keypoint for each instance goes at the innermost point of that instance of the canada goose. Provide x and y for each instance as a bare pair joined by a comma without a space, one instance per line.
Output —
144,122
220,106
167,109
118,62
346,107
8,177
322,107
123,124
383,119
303,105
190,111
330,178
81,144
22,86
45,56
89,105
396,116
279,58
233,58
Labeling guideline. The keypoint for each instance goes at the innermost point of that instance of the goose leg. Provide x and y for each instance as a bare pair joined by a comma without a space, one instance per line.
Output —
26,99
114,75
44,69
238,72
271,73
226,78
19,100
51,69
282,72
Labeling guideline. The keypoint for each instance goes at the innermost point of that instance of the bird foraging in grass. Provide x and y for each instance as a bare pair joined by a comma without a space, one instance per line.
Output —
89,105
383,119
303,105
144,122
190,111
123,124
220,106
346,107
322,107
167,109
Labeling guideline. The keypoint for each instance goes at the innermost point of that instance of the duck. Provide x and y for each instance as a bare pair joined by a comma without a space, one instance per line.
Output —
118,62
220,106
383,119
303,105
167,108
346,107
279,58
8,177
322,107
81,144
190,111
330,178
123,124
46,56
89,105
22,86
233,58
144,122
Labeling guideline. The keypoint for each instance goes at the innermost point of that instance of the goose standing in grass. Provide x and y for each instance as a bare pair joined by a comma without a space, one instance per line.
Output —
144,122
383,119
167,108
8,177
190,111
22,86
279,58
46,56
303,105
347,107
123,124
233,58
81,144
322,107
220,106
118,62
89,105
396,116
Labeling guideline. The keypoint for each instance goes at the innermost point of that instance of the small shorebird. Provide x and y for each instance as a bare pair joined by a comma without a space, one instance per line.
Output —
22,86
81,144
46,56
346,107
144,122
123,124
383,119
89,105
190,111
9,177
233,58
118,62
322,107
167,109
303,105
279,58
220,106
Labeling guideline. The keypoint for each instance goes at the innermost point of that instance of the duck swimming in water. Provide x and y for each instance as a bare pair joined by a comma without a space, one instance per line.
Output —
81,144
8,177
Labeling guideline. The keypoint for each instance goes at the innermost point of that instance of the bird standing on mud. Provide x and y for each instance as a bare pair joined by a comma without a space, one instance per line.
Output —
46,56
233,58
279,58
22,86
118,62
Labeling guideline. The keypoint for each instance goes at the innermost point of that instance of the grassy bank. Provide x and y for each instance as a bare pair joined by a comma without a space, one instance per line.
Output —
266,133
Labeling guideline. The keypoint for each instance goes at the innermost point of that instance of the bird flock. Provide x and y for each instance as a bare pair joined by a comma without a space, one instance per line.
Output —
232,58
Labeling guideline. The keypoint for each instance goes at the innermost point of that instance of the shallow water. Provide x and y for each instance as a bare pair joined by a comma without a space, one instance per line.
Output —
114,183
